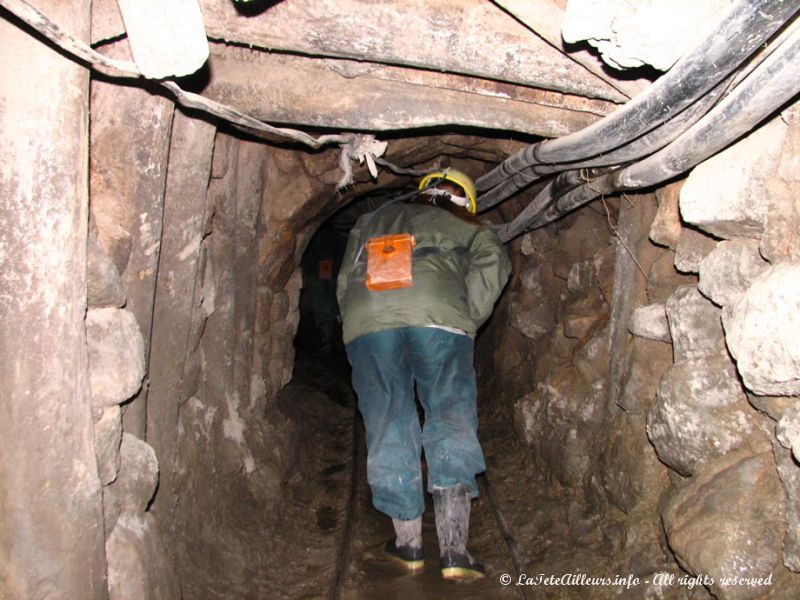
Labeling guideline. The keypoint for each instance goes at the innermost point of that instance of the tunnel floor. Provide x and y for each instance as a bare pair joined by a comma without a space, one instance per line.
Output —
338,549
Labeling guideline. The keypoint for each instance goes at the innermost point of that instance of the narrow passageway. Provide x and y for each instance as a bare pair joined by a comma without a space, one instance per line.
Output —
178,184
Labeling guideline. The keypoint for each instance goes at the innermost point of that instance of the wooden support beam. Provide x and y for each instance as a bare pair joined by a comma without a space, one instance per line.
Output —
343,94
52,514
130,132
188,172
468,37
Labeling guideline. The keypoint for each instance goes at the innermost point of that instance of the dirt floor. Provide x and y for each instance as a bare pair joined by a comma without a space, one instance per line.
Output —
338,551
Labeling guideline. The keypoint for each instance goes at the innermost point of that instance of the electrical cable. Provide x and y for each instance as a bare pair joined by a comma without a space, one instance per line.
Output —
747,25
765,90
647,144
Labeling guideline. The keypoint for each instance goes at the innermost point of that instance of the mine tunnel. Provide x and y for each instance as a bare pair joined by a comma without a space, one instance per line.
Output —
178,185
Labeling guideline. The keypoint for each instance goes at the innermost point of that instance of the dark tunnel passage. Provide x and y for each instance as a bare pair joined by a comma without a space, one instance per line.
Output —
179,417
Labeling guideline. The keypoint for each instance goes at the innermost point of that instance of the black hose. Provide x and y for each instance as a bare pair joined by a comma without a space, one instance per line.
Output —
770,85
556,188
745,27
647,144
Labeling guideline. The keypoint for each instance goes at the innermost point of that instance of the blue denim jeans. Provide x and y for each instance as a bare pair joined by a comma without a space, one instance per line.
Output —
385,367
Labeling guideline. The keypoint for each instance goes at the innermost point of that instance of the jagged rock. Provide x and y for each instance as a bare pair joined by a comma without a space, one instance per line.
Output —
138,566
573,404
788,430
533,322
103,284
718,195
114,239
693,246
556,420
581,235
604,266
529,416
629,465
581,314
729,270
578,326
591,357
663,278
729,522
632,33
666,228
763,332
645,362
772,406
561,265
107,438
116,355
701,412
650,322
789,472
111,510
582,276
694,324
780,242
531,281
138,475
538,243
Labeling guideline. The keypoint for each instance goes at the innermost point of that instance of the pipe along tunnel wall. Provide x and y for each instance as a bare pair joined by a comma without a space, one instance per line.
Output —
639,378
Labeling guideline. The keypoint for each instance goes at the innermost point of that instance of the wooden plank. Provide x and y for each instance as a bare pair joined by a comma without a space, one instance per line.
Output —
173,313
167,38
52,514
468,37
348,95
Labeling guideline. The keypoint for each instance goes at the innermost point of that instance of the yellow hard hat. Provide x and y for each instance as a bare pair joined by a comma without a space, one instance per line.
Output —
462,180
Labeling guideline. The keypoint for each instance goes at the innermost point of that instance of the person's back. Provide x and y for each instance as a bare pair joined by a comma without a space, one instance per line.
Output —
446,288
413,322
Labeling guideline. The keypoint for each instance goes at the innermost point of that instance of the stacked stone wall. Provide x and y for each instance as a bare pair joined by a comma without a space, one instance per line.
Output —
661,398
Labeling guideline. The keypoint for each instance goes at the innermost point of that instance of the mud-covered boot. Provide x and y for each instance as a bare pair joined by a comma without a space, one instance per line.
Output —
407,545
451,507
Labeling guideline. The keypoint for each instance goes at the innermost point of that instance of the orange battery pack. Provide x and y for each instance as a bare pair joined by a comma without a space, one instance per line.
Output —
389,262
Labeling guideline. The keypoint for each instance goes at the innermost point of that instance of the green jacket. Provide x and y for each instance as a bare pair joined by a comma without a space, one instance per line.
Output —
459,270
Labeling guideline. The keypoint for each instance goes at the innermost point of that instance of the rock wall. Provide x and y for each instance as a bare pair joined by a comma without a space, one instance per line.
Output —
194,278
661,398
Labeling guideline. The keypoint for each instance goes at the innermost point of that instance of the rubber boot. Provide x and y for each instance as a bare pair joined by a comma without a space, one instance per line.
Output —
451,507
407,545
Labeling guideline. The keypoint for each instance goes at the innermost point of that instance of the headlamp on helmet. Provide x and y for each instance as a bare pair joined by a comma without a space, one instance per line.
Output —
462,180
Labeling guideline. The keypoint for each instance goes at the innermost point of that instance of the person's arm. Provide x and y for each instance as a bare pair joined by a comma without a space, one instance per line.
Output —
489,268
